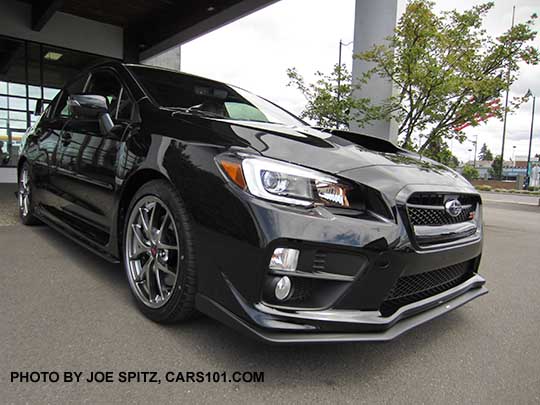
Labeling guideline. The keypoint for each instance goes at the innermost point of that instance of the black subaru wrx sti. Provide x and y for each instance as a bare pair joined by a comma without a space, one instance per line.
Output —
218,201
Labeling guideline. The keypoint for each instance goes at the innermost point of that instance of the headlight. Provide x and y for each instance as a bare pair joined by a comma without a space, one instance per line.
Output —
283,182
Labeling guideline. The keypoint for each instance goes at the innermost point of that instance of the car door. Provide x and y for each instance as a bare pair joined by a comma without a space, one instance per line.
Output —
87,158
43,145
41,152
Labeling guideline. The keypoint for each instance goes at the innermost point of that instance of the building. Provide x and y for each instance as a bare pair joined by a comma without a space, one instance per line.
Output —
511,169
521,161
374,21
43,43
483,167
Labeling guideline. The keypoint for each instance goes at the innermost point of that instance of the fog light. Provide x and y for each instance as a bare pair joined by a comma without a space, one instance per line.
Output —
284,259
283,288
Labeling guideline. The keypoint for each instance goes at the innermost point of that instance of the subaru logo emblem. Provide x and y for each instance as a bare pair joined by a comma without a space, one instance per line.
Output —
453,207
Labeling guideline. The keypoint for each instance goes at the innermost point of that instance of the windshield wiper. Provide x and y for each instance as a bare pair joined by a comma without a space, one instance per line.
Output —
195,110
261,121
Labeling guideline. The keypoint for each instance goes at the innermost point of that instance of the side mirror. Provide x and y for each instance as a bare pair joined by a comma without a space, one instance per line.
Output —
87,105
92,107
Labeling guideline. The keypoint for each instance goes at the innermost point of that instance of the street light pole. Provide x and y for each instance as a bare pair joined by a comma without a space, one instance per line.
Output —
506,104
530,139
475,150
339,72
341,44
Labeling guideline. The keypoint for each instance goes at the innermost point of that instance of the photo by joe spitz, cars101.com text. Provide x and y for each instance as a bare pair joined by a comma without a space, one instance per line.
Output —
217,201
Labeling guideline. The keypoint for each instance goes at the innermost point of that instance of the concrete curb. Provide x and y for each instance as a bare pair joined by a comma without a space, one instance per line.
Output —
513,202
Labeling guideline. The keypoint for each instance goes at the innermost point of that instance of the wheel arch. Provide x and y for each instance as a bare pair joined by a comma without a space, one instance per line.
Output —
134,183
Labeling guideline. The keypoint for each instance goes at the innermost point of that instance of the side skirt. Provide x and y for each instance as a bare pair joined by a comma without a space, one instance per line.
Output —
76,236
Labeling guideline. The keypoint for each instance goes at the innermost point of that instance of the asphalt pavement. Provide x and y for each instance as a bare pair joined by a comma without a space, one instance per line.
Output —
64,309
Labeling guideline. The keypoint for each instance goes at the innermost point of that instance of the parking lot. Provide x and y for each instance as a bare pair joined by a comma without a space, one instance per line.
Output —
62,308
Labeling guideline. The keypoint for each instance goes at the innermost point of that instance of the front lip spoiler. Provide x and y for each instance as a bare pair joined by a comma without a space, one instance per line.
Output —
405,319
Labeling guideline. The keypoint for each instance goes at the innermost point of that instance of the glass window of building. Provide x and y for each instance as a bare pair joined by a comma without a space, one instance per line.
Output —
28,72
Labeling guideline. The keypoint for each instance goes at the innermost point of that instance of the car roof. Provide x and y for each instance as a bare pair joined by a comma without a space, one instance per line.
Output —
178,72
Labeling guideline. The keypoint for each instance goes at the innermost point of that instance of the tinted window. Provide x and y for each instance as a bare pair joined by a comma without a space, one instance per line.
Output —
105,83
76,87
176,90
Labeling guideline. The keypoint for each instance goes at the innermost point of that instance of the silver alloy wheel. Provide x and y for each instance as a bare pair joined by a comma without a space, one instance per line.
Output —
152,251
24,192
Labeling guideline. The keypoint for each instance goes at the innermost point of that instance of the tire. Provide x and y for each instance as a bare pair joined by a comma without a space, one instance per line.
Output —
24,197
156,222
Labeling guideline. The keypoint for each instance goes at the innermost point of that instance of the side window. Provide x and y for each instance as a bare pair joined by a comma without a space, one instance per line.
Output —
61,110
105,83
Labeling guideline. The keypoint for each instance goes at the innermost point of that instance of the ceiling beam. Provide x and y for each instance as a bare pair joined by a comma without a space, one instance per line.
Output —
42,11
171,34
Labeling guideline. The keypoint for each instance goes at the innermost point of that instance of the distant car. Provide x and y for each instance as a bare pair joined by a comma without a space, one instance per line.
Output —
218,201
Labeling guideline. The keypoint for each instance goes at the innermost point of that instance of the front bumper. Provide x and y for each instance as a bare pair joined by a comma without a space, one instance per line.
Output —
365,260
374,328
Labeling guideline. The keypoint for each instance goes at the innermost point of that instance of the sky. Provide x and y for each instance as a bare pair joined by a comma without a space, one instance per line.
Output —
254,53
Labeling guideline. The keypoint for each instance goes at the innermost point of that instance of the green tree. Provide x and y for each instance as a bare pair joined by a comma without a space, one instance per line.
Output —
445,69
470,172
496,167
485,153
329,101
440,152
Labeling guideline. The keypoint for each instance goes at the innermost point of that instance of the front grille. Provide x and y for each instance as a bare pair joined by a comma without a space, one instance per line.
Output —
436,216
417,287
440,198
428,209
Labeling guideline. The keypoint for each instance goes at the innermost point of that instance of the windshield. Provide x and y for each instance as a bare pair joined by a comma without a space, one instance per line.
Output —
207,97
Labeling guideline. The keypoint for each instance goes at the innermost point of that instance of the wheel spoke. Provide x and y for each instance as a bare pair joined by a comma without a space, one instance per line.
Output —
139,252
164,269
145,289
147,267
162,227
166,246
141,247
139,237
158,280
144,270
159,242
151,221
144,221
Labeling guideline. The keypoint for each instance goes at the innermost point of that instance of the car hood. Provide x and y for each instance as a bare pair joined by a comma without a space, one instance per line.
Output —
365,159
372,161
